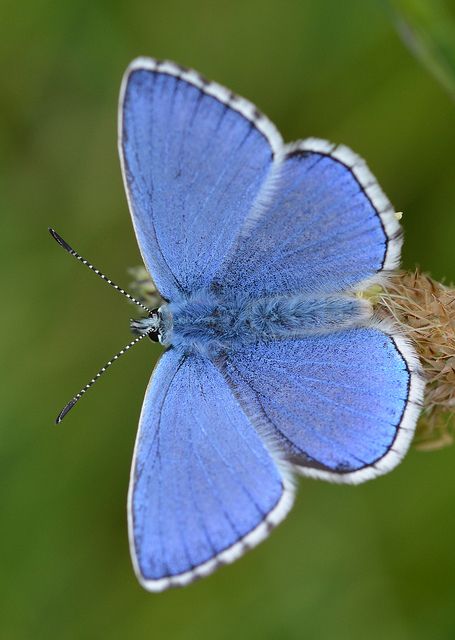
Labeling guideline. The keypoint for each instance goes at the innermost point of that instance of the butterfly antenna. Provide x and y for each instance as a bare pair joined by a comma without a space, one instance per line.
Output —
79,395
71,251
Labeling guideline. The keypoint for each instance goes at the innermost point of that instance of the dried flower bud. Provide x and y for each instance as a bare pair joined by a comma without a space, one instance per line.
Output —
144,288
425,309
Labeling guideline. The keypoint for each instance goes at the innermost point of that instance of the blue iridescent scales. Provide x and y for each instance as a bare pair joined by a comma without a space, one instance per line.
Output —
273,365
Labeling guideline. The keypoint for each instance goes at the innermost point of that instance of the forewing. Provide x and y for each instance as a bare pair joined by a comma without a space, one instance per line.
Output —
342,407
194,157
204,487
321,225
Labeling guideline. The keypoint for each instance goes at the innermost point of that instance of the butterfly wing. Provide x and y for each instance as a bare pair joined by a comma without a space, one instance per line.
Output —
342,406
216,197
194,157
321,224
204,487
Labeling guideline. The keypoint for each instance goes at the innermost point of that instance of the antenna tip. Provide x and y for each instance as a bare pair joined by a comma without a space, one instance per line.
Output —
58,238
65,410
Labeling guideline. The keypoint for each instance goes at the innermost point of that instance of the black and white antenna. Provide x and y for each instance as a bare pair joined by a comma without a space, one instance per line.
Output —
126,348
88,264
79,395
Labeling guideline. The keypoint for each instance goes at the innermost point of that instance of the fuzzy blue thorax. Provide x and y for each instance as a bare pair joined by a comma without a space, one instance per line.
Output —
210,324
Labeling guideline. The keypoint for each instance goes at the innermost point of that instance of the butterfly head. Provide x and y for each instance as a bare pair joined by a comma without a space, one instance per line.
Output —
152,325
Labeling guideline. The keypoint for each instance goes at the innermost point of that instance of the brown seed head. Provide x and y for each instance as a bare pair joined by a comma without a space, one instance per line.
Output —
425,309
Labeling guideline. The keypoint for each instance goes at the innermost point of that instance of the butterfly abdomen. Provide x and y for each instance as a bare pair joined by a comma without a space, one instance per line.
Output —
210,324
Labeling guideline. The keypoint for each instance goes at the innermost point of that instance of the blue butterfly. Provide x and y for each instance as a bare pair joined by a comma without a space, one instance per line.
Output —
274,365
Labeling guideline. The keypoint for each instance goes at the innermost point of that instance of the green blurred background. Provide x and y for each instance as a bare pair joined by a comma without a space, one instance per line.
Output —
375,561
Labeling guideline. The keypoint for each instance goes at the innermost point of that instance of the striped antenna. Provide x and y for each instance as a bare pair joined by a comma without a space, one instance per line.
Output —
79,395
71,251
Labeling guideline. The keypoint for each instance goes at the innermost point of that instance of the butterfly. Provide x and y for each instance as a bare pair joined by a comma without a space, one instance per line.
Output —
274,365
